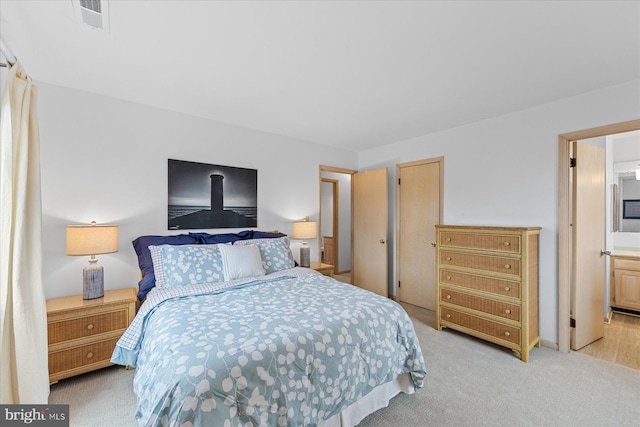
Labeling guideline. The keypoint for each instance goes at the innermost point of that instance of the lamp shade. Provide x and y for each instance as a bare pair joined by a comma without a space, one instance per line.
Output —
304,230
92,239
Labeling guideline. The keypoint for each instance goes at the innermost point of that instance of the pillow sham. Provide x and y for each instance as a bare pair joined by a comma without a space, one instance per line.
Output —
141,246
241,261
276,253
186,265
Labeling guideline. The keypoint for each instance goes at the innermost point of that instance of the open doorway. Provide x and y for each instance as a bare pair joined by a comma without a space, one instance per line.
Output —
566,256
334,244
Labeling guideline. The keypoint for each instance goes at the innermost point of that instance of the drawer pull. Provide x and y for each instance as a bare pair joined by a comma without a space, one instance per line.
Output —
507,311
448,258
448,316
448,277
448,296
90,326
89,355
507,266
448,239
507,244
506,288
506,334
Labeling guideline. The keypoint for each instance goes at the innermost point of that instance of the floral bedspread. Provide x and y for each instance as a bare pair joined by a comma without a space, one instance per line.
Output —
287,349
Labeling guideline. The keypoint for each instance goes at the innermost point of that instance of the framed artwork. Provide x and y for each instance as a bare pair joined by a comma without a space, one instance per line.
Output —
631,209
202,195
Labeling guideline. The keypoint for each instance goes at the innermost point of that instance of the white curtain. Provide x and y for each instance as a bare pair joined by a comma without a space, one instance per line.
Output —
24,372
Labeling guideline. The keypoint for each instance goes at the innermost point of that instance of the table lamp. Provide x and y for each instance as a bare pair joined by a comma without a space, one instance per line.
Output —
304,230
92,240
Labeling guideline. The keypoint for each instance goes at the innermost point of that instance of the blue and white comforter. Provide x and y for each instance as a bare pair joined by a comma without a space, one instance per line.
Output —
290,349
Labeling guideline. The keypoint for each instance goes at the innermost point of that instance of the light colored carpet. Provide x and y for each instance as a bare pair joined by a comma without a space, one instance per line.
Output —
469,383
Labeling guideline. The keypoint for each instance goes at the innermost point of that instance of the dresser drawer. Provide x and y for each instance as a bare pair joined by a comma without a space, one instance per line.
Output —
491,242
494,264
494,329
73,358
493,307
505,288
66,330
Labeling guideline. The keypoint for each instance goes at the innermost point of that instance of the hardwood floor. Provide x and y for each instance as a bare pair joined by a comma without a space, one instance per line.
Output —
621,342
345,277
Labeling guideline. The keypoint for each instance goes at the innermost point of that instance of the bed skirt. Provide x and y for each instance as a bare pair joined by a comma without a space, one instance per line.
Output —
378,398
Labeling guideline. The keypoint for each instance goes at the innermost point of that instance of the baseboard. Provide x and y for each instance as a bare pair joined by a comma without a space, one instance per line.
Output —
549,344
607,320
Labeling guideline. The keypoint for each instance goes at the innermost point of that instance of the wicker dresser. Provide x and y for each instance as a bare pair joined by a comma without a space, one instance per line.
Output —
488,284
83,333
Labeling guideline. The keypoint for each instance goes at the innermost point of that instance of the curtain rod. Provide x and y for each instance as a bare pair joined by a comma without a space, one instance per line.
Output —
7,54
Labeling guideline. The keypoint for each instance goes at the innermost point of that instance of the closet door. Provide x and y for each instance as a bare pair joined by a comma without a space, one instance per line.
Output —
370,227
419,209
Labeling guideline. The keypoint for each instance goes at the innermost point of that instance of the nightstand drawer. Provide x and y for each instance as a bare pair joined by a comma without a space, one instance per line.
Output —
83,333
66,330
74,358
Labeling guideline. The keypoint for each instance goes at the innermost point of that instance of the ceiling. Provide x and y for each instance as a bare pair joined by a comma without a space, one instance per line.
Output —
355,75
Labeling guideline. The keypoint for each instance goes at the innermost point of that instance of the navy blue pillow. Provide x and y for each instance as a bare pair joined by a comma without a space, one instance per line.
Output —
141,245
211,239
206,238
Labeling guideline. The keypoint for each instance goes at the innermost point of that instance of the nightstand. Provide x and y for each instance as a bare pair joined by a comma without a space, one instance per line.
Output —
83,333
325,269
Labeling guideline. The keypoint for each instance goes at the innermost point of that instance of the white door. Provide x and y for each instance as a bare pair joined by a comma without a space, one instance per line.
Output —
369,227
587,284
419,198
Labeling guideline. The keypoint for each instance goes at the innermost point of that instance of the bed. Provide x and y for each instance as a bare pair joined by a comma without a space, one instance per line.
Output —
234,334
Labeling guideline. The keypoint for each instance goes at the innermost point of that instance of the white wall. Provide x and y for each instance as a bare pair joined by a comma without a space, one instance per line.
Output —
503,171
105,159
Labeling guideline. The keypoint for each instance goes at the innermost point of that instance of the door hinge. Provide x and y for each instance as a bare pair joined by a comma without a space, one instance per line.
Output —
572,323
398,283
398,181
572,162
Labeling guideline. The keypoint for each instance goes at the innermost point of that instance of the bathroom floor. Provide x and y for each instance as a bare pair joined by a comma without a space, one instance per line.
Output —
621,342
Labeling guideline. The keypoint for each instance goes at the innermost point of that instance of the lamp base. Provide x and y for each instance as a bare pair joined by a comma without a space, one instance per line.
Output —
92,280
305,256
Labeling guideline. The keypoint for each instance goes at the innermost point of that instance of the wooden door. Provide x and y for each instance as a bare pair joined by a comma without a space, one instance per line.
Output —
418,211
369,227
587,296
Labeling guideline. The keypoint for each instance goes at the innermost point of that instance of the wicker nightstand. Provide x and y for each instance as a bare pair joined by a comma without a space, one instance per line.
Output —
83,333
325,269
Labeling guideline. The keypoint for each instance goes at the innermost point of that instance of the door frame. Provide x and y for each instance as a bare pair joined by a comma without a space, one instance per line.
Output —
325,168
399,166
335,221
564,219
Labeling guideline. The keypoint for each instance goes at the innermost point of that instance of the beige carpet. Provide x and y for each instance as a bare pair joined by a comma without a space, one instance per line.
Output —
469,383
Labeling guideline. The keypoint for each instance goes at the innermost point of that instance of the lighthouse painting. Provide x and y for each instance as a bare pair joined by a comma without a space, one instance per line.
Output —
202,195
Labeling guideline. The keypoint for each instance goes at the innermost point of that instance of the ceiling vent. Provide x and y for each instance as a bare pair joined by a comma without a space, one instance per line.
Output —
93,13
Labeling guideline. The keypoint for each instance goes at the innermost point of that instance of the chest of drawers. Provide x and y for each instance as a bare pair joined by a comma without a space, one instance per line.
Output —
83,333
487,284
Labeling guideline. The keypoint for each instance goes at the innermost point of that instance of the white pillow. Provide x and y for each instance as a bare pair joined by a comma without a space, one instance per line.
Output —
241,261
